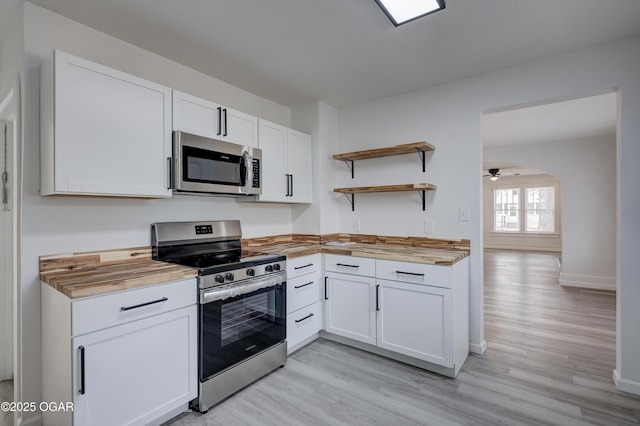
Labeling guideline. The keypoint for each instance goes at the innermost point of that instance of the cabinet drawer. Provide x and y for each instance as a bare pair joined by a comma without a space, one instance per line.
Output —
418,273
302,291
303,323
100,312
303,265
350,265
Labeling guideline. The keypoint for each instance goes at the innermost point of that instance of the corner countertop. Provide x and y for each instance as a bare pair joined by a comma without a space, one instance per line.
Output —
79,275
403,249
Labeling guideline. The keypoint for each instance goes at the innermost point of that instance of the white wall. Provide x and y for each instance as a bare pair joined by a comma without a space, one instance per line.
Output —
587,170
522,241
6,262
72,224
321,122
11,66
449,117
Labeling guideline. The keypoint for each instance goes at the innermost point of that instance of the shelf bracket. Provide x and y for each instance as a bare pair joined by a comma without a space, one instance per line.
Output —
351,198
423,198
422,155
349,164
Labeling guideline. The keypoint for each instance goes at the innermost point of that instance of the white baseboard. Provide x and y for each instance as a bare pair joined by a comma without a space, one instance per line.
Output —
478,348
35,420
523,247
626,385
587,281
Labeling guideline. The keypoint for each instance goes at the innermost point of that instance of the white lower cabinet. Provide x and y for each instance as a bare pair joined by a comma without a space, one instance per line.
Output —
414,320
304,316
419,313
350,307
139,368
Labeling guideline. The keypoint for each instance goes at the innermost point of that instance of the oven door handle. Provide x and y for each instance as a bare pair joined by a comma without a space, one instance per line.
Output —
223,292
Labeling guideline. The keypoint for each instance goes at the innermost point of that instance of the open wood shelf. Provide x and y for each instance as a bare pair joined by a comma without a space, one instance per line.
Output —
420,187
408,148
388,188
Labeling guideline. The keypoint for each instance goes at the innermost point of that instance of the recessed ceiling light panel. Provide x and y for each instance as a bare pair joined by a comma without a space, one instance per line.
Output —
403,11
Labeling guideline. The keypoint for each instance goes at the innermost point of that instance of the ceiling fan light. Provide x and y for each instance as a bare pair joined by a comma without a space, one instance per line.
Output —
403,11
494,178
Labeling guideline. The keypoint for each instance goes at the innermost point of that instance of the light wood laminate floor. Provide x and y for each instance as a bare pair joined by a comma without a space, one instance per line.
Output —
549,360
6,395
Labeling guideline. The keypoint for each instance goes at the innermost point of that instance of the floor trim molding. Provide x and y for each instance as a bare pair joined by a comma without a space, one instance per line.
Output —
478,348
625,385
587,281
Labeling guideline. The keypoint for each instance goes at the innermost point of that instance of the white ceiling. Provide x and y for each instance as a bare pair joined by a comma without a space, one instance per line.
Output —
346,51
570,120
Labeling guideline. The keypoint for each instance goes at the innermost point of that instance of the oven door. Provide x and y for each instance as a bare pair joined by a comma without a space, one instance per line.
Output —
234,326
212,166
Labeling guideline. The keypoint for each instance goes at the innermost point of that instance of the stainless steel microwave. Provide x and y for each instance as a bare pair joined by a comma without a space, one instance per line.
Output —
208,166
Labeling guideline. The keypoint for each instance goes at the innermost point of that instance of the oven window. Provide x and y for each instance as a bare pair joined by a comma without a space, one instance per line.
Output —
247,316
231,330
205,166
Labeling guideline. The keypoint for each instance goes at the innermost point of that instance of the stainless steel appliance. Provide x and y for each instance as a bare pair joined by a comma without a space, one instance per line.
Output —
242,306
208,166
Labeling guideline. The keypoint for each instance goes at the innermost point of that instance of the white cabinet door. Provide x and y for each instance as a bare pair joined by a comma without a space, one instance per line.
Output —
104,132
286,164
137,372
273,142
350,307
299,166
415,320
195,115
240,128
211,120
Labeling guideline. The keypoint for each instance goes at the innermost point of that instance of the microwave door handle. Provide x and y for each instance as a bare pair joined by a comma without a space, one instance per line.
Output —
248,174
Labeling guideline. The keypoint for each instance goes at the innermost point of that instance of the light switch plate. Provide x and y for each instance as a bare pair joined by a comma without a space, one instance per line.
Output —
428,227
463,214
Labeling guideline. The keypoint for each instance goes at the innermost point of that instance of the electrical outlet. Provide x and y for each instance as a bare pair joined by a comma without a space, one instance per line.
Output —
463,214
428,227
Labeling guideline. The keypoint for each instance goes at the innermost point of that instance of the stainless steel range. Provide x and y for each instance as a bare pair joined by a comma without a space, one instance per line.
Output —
242,306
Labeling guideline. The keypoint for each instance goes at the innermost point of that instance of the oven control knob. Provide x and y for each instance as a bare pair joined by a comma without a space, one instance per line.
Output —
276,266
219,279
251,272
268,268
228,276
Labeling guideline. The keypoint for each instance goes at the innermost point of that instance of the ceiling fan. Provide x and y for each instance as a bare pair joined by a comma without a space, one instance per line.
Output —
494,174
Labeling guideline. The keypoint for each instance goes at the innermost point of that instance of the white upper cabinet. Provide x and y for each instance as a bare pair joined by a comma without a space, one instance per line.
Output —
103,132
209,119
286,164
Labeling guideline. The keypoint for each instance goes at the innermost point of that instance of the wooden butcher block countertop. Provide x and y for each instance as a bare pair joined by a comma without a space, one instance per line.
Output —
403,249
91,274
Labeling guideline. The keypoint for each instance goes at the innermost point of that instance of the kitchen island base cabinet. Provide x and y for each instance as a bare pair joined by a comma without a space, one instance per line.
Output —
136,372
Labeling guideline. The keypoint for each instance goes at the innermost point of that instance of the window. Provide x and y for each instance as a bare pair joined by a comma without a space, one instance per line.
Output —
540,207
506,210
525,209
